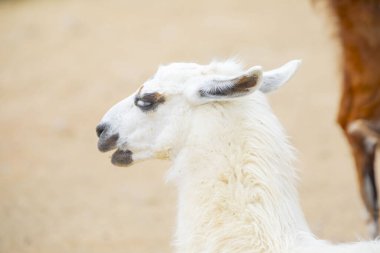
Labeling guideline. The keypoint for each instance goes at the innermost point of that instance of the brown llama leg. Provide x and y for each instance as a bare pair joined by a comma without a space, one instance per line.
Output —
363,140
358,32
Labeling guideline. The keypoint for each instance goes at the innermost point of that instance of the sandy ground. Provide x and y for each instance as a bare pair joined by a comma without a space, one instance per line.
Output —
64,63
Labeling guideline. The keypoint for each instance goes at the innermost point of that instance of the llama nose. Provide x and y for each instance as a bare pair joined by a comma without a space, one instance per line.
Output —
100,129
106,141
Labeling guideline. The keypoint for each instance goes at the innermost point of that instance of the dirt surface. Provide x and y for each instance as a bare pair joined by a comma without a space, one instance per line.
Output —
64,63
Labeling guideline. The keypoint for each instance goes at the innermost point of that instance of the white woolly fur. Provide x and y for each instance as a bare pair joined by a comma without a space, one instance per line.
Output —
232,162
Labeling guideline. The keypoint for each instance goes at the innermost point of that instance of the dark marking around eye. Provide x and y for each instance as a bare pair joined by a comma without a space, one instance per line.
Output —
149,101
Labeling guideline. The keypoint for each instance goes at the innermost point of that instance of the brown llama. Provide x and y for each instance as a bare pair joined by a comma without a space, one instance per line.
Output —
358,30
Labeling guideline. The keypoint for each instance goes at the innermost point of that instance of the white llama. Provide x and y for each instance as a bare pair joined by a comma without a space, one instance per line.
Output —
232,162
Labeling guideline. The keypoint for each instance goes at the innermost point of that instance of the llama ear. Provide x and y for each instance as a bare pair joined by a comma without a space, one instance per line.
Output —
275,78
229,88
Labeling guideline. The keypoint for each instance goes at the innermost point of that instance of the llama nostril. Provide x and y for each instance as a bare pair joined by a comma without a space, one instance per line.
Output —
100,129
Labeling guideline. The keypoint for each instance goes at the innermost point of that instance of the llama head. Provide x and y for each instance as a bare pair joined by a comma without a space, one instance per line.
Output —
155,120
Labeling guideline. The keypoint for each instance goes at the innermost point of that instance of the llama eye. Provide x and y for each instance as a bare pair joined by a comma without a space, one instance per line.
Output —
149,101
144,105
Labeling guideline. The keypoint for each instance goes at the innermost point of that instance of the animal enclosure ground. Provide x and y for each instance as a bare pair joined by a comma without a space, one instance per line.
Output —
64,63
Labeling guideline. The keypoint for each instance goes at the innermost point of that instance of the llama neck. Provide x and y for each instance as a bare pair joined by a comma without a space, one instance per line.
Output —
237,186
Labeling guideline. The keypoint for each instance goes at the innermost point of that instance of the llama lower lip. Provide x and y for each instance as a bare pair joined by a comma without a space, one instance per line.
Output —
122,158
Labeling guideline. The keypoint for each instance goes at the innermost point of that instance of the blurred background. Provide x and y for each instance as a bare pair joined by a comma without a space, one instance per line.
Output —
63,63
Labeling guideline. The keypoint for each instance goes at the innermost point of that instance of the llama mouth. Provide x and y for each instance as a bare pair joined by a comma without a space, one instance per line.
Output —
122,158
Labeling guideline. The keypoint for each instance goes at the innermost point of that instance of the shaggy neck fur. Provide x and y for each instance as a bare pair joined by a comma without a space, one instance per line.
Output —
236,182
236,185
